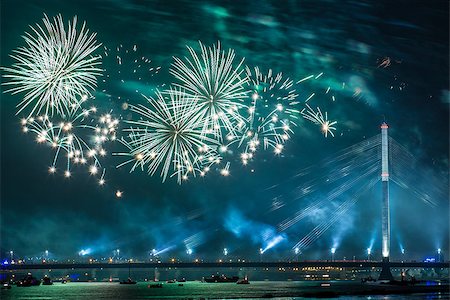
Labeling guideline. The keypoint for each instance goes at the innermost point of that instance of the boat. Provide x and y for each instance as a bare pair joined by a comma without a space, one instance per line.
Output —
243,281
368,279
157,285
182,280
6,286
27,281
220,279
46,280
171,281
128,281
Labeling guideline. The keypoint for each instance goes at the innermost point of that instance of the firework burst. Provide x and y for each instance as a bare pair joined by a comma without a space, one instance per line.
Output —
217,85
77,139
317,117
169,136
271,113
55,69
269,117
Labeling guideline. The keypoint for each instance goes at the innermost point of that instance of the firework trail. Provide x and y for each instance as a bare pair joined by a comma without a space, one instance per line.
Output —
318,118
217,85
169,136
78,138
55,69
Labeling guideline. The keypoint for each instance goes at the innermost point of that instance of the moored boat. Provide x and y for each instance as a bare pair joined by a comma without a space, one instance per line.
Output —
243,281
128,281
220,279
28,281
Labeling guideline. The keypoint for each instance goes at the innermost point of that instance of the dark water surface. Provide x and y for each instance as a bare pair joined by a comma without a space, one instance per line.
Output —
196,290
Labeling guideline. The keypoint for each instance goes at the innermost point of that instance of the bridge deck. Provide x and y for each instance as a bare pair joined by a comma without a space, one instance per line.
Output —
292,264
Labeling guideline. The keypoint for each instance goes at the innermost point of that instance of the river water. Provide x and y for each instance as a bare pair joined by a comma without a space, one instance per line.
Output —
198,290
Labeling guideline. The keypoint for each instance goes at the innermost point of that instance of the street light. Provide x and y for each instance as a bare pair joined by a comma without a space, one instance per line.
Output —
369,251
225,251
12,254
439,254
333,251
261,251
403,254
46,254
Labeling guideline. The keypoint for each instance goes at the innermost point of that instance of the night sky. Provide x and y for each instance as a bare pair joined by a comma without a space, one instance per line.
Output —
346,40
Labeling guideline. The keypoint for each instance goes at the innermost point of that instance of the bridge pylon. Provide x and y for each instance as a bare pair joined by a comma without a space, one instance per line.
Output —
385,211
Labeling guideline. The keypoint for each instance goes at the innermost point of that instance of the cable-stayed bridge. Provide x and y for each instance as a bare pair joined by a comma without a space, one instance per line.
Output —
379,158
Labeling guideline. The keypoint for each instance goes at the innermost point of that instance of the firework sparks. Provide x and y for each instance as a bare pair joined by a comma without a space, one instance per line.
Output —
128,72
216,83
169,136
55,69
79,138
317,117
270,114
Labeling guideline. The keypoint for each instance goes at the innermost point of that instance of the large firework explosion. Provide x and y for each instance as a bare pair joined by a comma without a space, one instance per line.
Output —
217,84
55,69
215,109
169,136
221,112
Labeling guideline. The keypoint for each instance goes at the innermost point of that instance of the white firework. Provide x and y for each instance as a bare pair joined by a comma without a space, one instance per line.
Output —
317,117
271,113
55,69
269,118
169,136
217,85
77,139
271,88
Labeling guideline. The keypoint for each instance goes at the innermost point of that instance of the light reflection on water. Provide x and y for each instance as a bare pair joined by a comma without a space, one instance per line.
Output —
193,290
